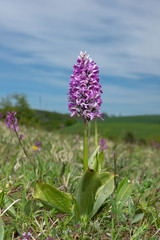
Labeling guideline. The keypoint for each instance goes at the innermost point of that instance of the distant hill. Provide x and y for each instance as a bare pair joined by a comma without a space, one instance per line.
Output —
153,119
131,128
143,128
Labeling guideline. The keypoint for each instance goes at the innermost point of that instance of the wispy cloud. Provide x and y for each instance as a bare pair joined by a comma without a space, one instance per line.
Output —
121,36
117,94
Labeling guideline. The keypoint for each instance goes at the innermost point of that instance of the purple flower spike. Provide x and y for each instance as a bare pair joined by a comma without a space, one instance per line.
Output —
11,121
85,89
102,144
21,136
37,144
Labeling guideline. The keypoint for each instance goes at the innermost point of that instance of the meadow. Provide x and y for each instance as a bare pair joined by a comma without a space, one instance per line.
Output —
146,128
132,211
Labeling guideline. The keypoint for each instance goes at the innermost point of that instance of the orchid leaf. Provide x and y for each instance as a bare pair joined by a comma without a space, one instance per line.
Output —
7,204
104,191
137,218
30,207
123,192
55,198
86,192
93,160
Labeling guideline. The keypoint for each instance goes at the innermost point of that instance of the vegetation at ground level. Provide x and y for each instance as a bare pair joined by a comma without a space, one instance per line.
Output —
132,213
54,146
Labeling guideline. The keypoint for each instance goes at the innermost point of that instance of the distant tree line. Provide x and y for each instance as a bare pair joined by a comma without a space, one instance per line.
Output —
36,118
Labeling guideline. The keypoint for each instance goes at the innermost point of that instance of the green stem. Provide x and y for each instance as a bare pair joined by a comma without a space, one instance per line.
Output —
20,143
96,134
85,146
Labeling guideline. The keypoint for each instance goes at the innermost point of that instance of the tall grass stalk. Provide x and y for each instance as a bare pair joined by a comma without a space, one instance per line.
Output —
85,146
96,134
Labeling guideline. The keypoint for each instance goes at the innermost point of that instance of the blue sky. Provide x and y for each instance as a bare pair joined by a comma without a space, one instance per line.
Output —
41,39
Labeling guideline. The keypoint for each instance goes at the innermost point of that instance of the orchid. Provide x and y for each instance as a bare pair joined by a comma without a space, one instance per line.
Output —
85,96
102,144
11,121
85,89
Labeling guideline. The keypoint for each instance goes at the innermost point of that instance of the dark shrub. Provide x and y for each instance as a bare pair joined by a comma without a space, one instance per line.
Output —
129,138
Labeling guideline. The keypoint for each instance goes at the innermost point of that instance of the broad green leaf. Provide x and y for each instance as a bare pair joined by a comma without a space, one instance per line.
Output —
86,192
1,229
143,205
137,217
123,192
131,207
75,212
104,191
105,177
123,182
30,207
59,200
7,202
48,205
93,160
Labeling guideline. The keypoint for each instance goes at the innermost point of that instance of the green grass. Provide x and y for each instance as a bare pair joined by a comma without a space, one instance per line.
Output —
153,119
146,127
61,165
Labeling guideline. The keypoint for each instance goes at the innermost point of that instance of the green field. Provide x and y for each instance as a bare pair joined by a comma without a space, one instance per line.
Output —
143,128
146,127
132,212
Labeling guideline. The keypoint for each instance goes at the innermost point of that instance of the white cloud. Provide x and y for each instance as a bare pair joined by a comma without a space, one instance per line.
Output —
119,94
121,36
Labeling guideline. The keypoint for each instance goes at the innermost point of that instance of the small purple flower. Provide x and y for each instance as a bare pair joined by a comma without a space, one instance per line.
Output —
152,227
50,238
27,236
77,226
37,144
21,136
11,121
1,115
102,145
85,89
60,215
36,147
